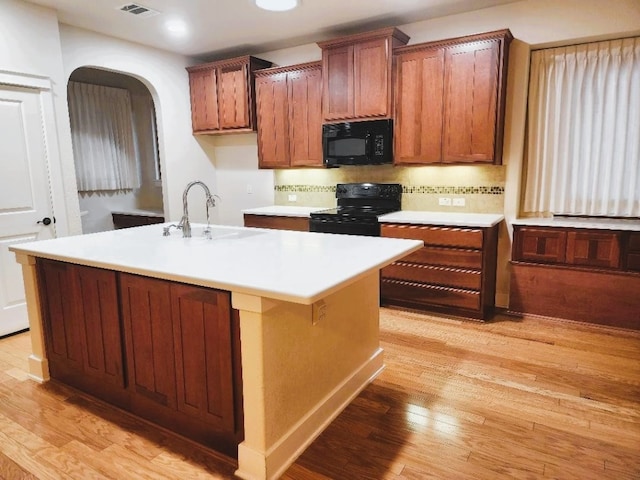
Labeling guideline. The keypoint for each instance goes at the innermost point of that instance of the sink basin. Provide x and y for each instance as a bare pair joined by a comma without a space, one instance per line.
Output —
215,233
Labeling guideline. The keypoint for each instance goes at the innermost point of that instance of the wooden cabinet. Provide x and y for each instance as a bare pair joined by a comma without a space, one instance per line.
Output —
567,246
575,273
82,327
165,351
289,116
541,245
127,220
454,272
632,255
223,95
180,358
300,224
357,74
450,100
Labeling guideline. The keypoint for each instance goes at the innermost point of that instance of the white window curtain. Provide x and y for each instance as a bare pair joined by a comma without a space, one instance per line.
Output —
103,138
583,152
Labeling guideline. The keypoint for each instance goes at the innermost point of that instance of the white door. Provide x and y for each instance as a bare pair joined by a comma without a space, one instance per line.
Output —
25,198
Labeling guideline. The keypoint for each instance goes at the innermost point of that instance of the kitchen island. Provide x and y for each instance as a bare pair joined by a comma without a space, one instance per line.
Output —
151,319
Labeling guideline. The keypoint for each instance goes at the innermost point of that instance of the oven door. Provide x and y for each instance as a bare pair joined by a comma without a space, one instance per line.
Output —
345,225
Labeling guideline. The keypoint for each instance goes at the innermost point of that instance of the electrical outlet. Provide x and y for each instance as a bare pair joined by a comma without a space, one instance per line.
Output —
444,201
459,202
293,198
249,189
319,312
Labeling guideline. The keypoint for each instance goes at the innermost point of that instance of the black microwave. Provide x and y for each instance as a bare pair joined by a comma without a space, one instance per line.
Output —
357,143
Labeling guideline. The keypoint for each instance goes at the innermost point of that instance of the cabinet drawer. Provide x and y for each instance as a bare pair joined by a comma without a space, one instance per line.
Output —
430,235
452,277
397,290
540,245
633,261
446,257
596,249
279,223
634,242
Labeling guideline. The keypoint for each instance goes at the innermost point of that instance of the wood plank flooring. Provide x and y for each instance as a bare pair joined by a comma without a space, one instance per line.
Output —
529,398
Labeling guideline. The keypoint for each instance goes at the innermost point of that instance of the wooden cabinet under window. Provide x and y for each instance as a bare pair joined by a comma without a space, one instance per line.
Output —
454,272
357,74
450,100
576,273
82,328
277,222
223,95
289,116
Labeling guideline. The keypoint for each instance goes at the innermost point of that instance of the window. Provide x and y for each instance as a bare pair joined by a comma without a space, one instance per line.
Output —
583,148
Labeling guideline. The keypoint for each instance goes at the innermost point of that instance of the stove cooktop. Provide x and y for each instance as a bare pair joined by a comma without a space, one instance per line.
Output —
354,212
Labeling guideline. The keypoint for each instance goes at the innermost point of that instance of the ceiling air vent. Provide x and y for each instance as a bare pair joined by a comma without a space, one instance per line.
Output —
138,10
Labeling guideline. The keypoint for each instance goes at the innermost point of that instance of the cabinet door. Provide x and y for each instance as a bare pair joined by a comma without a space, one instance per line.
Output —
204,365
82,325
204,100
371,78
272,118
596,249
233,97
540,245
338,83
63,327
305,117
418,132
102,341
146,314
471,87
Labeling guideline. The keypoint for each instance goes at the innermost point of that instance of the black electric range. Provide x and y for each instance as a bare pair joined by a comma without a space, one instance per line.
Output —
359,205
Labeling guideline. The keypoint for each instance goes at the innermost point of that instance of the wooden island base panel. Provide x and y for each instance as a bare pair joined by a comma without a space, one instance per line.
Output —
255,370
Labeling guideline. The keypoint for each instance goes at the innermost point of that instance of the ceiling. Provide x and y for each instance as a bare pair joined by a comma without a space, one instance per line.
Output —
217,28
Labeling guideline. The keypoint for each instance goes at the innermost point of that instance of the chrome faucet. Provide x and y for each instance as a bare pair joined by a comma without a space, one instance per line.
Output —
184,224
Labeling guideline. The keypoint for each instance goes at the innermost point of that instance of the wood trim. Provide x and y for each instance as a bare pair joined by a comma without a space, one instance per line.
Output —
289,68
250,60
392,32
504,35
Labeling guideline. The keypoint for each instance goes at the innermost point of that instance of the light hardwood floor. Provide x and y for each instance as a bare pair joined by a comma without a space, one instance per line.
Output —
514,398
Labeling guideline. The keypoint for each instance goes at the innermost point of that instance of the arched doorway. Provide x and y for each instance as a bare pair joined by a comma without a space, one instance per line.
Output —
107,208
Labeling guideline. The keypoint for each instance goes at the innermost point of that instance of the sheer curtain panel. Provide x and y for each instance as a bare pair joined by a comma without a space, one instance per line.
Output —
102,137
583,152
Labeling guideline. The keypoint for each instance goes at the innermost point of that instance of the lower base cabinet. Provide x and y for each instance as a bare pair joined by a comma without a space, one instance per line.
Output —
170,353
455,271
580,274
300,224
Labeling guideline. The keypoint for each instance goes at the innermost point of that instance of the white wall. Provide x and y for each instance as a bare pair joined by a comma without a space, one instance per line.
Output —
181,156
30,44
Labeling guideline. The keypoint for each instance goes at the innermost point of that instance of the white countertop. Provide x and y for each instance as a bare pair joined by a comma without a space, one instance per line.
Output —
299,267
284,210
443,218
582,222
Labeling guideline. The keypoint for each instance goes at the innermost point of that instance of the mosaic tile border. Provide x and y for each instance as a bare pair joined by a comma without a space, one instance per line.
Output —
420,189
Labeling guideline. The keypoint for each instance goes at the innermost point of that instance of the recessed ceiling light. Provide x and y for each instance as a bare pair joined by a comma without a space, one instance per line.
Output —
277,5
177,28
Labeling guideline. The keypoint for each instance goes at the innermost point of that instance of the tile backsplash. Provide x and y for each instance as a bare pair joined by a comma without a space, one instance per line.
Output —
481,186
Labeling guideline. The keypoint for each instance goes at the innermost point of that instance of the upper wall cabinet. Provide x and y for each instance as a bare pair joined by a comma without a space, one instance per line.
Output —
357,74
222,95
450,99
289,115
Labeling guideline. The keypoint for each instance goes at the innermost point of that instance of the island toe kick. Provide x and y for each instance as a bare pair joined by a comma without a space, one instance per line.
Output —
302,365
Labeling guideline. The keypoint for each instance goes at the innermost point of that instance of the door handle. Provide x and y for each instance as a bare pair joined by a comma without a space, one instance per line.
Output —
46,221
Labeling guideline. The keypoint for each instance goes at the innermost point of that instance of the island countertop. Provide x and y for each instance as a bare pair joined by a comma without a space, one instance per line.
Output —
299,267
